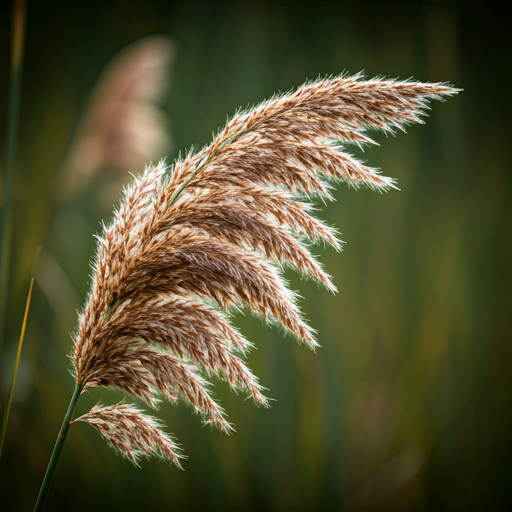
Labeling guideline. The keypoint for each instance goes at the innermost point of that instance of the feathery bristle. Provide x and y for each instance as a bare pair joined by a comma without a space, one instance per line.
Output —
211,233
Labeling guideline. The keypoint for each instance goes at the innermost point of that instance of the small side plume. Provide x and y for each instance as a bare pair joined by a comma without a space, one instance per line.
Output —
131,433
123,127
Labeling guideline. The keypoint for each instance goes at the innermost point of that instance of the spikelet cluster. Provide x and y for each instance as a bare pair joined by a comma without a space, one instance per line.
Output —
132,433
211,233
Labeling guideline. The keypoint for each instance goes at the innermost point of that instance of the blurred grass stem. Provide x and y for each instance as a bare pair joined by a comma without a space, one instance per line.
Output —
50,470
5,419
18,40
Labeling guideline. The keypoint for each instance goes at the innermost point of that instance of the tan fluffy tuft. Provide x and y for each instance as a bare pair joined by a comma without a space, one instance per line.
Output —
131,433
211,233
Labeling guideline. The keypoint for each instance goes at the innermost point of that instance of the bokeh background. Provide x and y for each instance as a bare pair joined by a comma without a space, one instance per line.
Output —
407,405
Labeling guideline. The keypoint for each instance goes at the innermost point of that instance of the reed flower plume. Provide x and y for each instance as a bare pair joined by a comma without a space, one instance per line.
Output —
122,126
212,232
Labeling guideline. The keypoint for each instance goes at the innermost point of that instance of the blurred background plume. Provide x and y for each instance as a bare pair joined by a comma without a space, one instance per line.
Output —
123,127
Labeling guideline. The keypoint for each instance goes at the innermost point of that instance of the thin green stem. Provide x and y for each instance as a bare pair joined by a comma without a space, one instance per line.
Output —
194,173
50,470
202,164
18,40
5,419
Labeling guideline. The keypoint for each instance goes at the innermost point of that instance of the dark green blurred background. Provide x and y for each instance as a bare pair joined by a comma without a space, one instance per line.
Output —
408,402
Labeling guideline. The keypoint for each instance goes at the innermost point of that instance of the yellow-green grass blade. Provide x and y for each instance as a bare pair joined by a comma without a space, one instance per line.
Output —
11,390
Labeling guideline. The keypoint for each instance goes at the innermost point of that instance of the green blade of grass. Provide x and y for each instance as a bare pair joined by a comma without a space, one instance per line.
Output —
11,390
18,43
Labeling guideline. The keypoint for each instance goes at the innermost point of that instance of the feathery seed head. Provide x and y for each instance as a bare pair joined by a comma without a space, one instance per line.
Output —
211,233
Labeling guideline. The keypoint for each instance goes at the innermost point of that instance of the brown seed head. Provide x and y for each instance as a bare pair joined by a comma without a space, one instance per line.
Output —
212,233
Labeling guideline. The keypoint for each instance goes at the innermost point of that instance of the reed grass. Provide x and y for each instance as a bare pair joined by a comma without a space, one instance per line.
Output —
11,144
192,242
7,409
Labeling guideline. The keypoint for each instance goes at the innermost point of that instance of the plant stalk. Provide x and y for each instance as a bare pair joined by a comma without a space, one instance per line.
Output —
5,419
50,470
